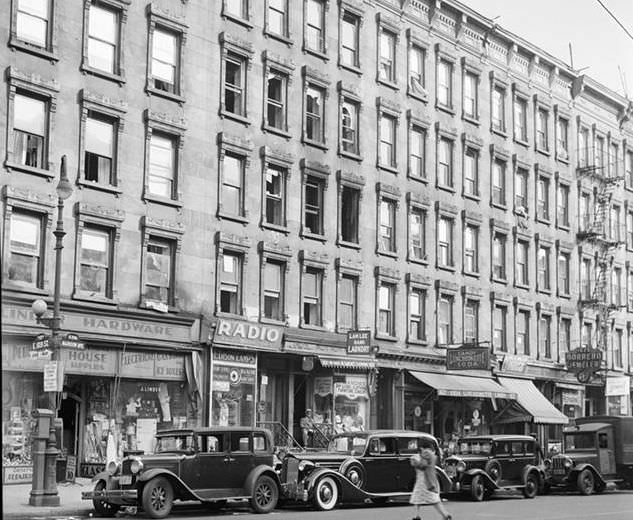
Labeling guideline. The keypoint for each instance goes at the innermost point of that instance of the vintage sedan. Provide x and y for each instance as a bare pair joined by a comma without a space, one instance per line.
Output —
211,465
484,464
357,467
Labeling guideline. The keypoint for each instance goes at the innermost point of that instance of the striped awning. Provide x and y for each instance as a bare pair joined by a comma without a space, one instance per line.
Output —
347,363
452,385
540,410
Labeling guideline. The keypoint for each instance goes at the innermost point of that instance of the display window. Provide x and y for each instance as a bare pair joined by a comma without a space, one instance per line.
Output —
341,402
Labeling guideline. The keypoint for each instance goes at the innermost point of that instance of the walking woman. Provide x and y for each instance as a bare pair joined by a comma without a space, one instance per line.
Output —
427,488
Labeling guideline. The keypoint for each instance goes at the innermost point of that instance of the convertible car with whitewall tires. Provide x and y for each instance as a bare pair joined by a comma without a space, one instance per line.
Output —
357,467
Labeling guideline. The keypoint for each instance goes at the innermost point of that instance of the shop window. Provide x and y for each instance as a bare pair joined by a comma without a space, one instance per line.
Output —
273,283
350,27
95,256
314,29
348,294
314,189
231,283
26,249
159,271
350,206
275,210
312,287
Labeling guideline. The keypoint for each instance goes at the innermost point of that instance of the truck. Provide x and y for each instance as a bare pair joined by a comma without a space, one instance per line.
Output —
597,453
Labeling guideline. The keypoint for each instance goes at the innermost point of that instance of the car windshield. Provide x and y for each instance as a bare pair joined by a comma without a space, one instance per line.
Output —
474,447
174,443
347,444
579,441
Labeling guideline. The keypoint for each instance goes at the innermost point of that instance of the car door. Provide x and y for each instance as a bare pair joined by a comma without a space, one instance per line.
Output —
213,460
606,456
503,455
381,464
241,459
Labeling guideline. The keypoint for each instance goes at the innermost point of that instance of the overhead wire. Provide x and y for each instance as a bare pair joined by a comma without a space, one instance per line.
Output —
616,19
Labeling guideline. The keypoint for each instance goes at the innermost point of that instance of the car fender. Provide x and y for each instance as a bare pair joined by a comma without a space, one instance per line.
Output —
181,489
471,473
103,475
348,491
533,469
257,471
580,467
443,479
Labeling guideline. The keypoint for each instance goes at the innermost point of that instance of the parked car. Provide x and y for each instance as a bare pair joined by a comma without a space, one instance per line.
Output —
486,463
356,466
597,451
211,465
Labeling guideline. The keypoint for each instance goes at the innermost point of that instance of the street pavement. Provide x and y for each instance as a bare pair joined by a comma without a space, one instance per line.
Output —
615,505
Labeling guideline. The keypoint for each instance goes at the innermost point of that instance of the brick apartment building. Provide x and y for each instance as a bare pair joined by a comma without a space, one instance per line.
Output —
254,179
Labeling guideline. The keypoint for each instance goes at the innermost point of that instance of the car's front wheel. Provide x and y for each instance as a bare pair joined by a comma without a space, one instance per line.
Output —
531,486
158,497
325,494
102,507
265,495
477,488
585,482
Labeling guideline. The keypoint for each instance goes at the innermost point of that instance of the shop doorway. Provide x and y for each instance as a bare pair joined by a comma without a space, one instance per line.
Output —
69,413
299,392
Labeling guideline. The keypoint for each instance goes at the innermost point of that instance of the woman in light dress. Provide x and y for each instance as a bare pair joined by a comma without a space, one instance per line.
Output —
426,490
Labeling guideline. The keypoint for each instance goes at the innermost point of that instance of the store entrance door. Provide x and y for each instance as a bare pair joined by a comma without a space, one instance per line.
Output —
300,382
69,413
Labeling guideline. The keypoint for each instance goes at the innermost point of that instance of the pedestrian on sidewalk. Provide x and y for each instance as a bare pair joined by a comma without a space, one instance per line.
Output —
426,490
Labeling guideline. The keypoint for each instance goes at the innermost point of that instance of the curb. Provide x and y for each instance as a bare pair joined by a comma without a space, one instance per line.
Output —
46,512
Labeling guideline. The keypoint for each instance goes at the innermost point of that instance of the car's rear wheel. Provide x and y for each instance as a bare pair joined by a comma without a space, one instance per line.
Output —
477,488
325,494
531,486
102,507
265,494
158,497
585,482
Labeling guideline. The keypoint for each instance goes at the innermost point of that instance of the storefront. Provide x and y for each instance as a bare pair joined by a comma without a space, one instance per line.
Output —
617,393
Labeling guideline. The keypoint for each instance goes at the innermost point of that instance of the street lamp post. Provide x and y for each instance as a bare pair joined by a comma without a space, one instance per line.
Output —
44,487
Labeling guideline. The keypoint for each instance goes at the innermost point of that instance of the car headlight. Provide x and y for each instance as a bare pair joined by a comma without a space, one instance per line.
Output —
112,467
548,463
461,466
136,466
304,465
567,463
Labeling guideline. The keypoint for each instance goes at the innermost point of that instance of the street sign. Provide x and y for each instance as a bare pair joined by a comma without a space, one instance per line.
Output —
359,342
72,341
40,354
468,358
40,342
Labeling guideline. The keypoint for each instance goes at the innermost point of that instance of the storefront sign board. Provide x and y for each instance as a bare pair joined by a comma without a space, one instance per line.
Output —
248,334
466,358
618,386
571,397
351,390
583,359
17,474
514,363
359,342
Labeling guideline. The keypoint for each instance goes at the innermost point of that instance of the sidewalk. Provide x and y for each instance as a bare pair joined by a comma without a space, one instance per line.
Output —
15,501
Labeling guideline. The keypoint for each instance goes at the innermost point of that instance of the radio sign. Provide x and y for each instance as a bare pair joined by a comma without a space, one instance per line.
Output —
467,358
359,342
584,359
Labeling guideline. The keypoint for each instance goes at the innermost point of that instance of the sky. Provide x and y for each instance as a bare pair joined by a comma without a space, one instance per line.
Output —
598,42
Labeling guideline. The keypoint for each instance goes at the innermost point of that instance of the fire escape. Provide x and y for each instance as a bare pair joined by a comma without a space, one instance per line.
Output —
606,236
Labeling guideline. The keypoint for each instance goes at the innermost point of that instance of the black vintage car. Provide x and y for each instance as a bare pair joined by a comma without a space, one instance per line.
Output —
211,465
486,463
357,466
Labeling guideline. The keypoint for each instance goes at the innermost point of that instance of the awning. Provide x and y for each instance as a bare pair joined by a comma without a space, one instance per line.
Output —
540,410
350,364
463,386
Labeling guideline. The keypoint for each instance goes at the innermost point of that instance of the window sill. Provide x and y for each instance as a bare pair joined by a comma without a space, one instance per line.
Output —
307,326
87,296
566,296
387,83
392,254
29,169
499,132
496,279
471,196
472,274
162,200
563,159
277,131
238,20
564,227
420,97
167,95
230,315
101,187
522,286
103,74
418,342
385,337
543,151
236,218
350,155
449,268
420,261
472,120
525,212
315,52
417,178
387,168
521,142
350,245
156,306
543,220
280,37
444,108
313,236
316,144
9,285
276,227
351,68
235,117
443,187
544,291
499,205
16,44
272,321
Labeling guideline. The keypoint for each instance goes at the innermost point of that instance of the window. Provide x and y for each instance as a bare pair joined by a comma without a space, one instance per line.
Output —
387,141
563,273
99,149
562,213
314,117
445,83
416,71
471,85
315,25
628,168
499,182
617,296
499,256
542,198
615,223
417,144
103,39
162,166
231,283
417,302
545,333
471,249
471,321
349,127
234,85
386,309
586,335
521,190
275,211
629,230
159,271
585,279
584,212
445,242
30,131
232,191
600,149
520,119
26,249
523,333
95,257
617,349
583,147
542,137
273,284
564,338
347,302
543,269
276,96
562,134
499,328
313,212
499,109
277,22
445,320
387,237
614,157
417,238
350,25
445,163
350,207
165,61
630,292
521,266
471,172
237,8
32,22
387,65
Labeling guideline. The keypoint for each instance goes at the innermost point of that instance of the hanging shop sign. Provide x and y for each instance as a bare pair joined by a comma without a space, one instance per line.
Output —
618,386
359,342
247,334
467,358
323,385
583,359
